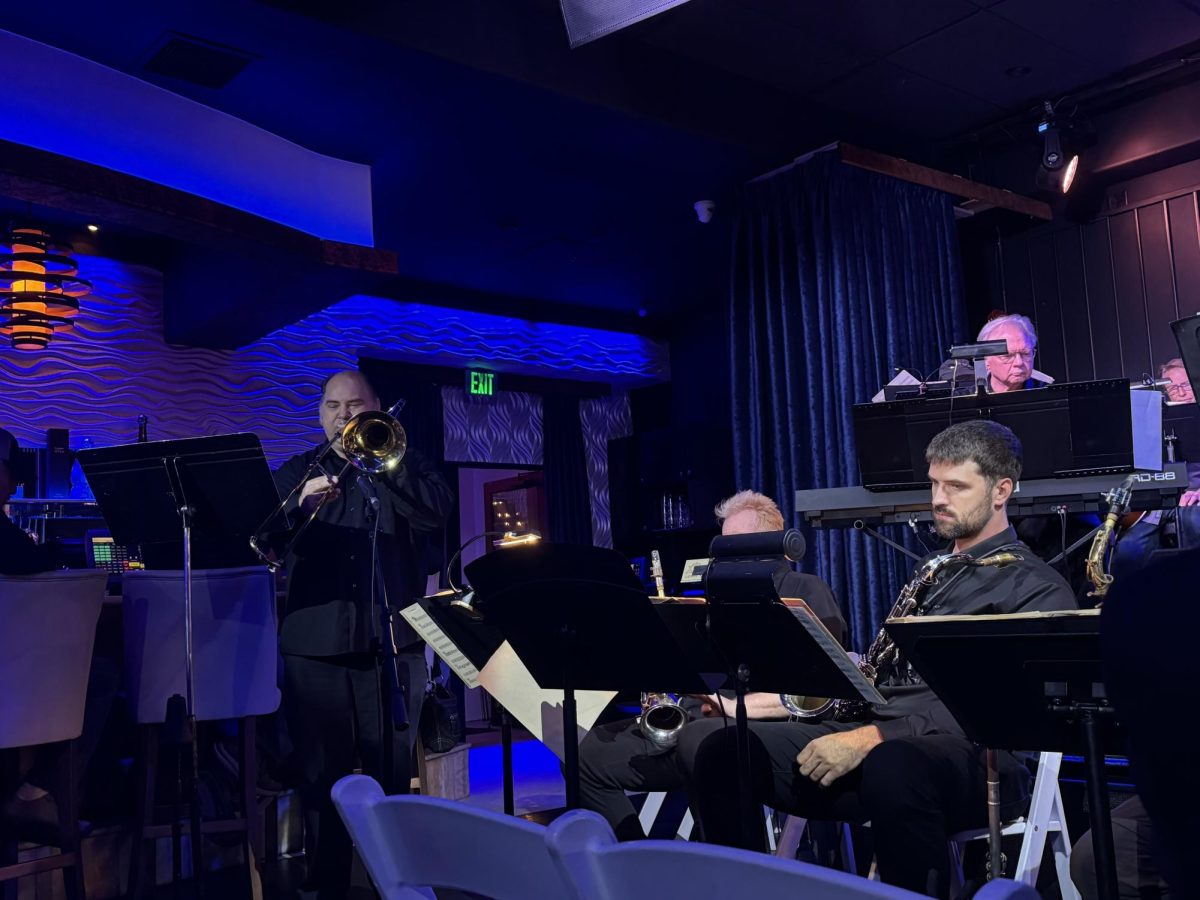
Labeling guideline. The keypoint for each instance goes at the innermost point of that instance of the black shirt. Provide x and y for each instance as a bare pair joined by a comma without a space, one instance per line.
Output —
19,553
329,610
816,593
1028,585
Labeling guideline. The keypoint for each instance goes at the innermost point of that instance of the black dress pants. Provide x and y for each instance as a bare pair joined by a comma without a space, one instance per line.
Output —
334,714
915,792
616,758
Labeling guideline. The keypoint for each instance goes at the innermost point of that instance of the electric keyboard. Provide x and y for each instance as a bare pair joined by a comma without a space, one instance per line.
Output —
851,507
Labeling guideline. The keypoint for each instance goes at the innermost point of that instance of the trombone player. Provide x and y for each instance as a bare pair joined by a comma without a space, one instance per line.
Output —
329,636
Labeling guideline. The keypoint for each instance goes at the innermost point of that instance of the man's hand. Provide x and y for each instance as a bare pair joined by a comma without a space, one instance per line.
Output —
829,757
1190,498
314,489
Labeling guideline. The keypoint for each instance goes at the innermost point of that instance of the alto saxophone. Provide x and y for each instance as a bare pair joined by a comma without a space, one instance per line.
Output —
663,715
883,652
1098,557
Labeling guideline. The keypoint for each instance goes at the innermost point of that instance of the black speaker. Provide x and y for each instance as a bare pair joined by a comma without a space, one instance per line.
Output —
55,478
1187,336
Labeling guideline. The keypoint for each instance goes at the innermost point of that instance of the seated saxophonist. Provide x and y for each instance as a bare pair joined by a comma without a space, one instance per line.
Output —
619,756
905,766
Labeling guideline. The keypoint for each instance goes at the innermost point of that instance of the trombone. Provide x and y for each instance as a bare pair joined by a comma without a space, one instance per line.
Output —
373,442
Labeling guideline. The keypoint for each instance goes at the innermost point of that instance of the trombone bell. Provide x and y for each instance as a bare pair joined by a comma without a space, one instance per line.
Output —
374,441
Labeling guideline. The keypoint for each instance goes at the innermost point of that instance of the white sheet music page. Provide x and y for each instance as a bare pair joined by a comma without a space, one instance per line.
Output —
445,648
507,679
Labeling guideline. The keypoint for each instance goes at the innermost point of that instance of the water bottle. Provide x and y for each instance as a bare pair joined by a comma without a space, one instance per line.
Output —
142,420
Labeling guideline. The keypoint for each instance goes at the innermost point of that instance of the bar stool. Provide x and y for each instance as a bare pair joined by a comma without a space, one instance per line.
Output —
235,665
47,630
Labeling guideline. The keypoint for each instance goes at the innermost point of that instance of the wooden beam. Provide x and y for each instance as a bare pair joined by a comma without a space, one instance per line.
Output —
59,182
942,181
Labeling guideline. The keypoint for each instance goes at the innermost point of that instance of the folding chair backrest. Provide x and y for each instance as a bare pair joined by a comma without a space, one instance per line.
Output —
47,631
410,843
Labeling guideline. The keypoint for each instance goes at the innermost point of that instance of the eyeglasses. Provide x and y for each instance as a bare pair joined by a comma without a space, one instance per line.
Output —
1009,358
1178,390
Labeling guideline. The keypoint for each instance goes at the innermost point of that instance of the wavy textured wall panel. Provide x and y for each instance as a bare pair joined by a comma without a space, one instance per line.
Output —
506,428
436,335
603,419
114,365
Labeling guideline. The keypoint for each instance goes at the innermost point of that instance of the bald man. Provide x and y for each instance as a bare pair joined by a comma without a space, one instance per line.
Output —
329,636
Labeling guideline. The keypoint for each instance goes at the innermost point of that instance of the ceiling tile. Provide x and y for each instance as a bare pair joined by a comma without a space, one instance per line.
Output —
751,43
890,95
975,54
1114,33
868,25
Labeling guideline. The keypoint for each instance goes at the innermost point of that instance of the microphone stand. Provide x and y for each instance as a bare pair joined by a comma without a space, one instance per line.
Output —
394,707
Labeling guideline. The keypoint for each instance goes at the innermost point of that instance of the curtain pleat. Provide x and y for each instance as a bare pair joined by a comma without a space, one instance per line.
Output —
838,276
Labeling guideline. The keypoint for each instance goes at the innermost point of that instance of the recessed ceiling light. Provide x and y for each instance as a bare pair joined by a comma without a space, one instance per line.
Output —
93,228
1017,71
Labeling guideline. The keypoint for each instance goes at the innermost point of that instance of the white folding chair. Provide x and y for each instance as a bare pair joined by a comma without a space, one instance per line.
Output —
1045,821
589,856
411,844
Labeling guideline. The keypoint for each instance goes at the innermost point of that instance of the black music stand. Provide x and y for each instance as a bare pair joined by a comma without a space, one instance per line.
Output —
580,619
1042,688
767,646
477,641
166,496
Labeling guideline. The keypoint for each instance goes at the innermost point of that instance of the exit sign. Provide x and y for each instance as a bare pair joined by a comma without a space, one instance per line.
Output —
481,384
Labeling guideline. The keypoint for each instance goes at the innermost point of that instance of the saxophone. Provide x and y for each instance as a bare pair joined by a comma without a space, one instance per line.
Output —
1098,558
883,652
663,716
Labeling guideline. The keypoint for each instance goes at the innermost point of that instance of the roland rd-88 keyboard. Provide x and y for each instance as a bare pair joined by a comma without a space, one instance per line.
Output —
849,507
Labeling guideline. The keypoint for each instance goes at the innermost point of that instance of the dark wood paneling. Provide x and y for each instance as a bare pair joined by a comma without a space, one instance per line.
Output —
1052,356
1159,280
1100,291
1018,286
1072,293
1185,253
1131,297
1103,295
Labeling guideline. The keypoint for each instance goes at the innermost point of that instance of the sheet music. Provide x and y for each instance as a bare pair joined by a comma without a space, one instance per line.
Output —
445,648
507,679
806,617
903,378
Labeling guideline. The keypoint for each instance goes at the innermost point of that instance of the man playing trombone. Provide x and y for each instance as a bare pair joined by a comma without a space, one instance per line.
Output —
330,635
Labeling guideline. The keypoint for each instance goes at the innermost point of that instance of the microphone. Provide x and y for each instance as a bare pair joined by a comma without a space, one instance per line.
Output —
788,544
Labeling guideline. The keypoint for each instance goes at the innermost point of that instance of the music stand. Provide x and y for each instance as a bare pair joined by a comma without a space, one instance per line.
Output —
477,641
1043,689
767,646
168,493
580,620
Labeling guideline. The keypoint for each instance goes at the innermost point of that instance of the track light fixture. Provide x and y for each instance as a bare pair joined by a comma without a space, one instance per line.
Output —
1059,164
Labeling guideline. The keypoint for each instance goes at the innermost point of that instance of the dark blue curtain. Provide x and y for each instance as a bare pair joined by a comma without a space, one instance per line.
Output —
568,504
838,275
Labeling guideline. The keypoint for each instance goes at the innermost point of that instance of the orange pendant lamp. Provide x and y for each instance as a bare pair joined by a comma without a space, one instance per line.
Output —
40,286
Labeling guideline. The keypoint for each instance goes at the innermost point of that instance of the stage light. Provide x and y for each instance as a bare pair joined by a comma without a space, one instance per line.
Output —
1058,165
93,228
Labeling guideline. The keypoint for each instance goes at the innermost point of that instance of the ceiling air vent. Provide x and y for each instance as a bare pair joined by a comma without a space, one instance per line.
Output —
199,62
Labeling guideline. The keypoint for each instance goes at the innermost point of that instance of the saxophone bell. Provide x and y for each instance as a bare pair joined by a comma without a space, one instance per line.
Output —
663,717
